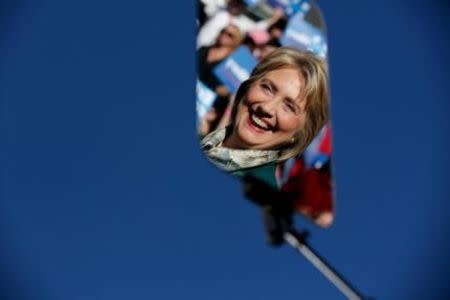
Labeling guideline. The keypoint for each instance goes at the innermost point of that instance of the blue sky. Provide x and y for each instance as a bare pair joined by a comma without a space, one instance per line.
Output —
105,194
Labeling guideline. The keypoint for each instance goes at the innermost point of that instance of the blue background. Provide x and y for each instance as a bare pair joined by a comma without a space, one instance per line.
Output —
105,194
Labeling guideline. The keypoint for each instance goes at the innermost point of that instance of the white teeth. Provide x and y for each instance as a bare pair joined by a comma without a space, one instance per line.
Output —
259,122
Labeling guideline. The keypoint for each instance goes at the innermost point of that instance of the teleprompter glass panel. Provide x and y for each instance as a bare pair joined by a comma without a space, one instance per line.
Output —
263,100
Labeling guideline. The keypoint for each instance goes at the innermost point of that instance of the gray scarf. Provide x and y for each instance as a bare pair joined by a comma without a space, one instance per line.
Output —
232,160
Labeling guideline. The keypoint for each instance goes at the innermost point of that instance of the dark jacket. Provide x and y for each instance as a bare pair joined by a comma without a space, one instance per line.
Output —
265,173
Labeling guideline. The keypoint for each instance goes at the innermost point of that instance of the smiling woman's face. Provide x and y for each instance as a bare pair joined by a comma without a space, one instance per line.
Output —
271,113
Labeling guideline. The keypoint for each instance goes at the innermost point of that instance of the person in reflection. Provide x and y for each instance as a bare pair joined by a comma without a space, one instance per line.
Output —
207,60
275,115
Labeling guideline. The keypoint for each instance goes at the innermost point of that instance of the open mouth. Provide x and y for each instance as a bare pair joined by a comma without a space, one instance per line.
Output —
259,124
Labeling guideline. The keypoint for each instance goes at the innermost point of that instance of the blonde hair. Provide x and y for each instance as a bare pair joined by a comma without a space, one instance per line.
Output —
314,70
238,37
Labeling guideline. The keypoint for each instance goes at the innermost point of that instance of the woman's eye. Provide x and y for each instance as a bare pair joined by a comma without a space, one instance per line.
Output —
290,107
266,87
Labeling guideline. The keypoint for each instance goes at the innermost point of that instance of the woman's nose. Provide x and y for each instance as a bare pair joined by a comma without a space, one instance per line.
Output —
268,107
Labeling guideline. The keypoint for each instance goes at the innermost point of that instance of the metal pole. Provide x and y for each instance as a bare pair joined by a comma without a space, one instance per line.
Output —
297,241
277,209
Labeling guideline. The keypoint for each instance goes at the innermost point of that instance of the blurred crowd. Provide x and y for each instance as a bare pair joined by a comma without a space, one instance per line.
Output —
223,26
226,25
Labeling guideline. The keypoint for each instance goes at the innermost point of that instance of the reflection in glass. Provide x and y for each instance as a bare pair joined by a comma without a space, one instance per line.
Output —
276,112
262,97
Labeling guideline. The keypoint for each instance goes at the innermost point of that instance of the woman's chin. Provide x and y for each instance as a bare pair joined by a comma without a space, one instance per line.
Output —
252,137
249,140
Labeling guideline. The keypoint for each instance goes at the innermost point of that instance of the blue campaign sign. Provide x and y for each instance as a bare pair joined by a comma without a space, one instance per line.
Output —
302,35
291,7
205,98
236,68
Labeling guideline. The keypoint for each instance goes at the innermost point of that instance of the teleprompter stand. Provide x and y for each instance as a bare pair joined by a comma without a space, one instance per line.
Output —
277,216
297,241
